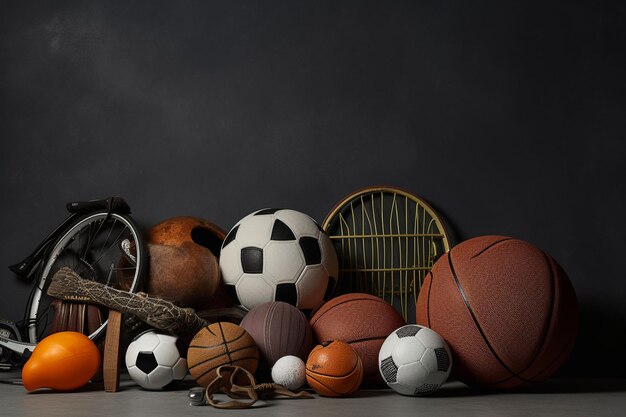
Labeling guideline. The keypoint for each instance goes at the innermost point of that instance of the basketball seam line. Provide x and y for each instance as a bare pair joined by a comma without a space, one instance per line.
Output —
490,246
332,376
217,366
219,344
430,287
338,376
359,380
549,319
267,333
474,319
365,339
569,345
210,331
347,301
225,344
222,354
545,330
325,386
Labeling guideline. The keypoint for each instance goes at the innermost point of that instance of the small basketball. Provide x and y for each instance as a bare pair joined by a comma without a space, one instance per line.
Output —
507,310
364,321
334,370
278,329
219,344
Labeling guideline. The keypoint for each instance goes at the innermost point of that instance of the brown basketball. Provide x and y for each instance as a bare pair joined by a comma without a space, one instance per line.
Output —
279,329
362,320
184,264
334,370
219,344
507,310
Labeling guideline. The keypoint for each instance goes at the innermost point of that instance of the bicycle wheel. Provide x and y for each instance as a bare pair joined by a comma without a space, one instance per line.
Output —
100,246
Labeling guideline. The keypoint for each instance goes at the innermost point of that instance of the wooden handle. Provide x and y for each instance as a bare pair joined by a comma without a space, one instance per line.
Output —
112,353
158,313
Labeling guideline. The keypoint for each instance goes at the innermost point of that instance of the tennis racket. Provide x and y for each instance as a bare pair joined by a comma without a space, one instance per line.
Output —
387,240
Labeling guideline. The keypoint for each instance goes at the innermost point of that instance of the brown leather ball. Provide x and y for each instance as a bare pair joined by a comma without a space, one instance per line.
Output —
507,310
184,266
220,344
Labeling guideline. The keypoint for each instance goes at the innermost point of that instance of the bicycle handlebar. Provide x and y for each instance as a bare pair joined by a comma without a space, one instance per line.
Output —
112,204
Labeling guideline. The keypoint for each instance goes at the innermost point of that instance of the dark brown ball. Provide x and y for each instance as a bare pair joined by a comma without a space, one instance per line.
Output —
507,310
184,266
279,329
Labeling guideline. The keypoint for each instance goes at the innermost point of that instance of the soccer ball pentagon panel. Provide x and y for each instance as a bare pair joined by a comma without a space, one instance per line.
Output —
278,255
156,361
414,360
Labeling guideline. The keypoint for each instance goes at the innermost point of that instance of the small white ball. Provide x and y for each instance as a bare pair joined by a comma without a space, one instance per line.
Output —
290,372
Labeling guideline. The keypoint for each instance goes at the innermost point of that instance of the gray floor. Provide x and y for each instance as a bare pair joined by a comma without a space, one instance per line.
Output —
556,398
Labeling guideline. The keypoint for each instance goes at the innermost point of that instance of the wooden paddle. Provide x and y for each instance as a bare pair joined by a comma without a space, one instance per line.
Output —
112,352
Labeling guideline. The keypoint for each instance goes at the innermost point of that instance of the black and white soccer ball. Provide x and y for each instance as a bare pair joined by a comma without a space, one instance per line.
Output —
156,361
278,255
414,360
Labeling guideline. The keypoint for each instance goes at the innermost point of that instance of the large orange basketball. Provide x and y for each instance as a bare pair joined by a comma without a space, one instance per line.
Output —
220,344
507,310
364,321
334,370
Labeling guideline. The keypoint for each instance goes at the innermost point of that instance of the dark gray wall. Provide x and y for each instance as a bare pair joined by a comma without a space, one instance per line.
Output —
508,117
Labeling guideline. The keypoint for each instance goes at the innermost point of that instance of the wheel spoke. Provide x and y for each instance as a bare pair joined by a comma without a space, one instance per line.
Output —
114,244
94,250
92,237
108,236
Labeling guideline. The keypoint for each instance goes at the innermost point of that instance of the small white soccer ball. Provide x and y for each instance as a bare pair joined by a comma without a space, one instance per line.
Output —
278,255
156,361
290,372
414,360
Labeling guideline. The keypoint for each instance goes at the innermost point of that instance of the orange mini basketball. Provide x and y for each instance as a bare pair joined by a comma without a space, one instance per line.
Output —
334,370
63,361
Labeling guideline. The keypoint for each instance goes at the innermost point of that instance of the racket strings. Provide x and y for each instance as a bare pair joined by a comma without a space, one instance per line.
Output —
386,242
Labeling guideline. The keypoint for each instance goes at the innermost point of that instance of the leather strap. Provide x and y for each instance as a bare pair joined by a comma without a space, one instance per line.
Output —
239,384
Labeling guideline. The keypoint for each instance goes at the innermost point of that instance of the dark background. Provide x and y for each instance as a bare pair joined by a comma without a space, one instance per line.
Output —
508,117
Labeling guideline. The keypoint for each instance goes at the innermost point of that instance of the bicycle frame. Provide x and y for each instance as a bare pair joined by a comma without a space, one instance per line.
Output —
22,348
25,268
29,267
